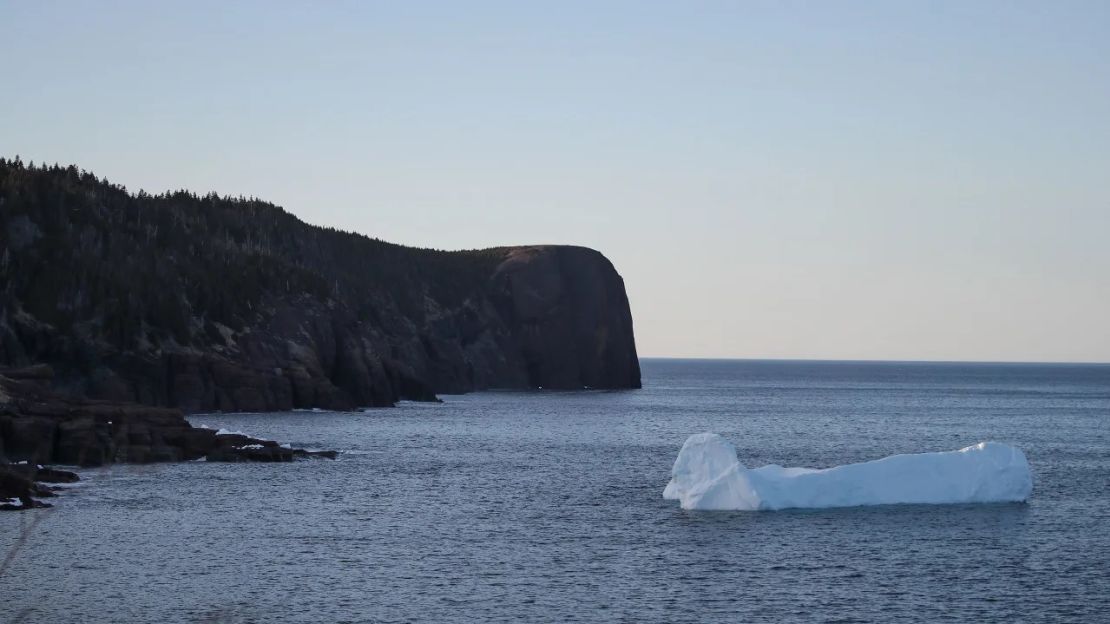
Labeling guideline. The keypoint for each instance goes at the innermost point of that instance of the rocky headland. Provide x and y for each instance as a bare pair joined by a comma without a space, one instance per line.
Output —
120,312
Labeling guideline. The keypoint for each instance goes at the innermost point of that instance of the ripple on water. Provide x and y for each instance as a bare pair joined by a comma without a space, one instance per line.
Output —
547,506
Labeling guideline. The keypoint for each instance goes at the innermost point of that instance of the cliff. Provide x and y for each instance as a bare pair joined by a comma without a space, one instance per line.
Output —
211,303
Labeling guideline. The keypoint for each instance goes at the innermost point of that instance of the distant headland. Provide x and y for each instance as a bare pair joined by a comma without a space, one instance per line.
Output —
121,312
210,303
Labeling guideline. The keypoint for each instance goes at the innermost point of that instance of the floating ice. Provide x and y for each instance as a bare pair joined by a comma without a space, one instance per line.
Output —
707,475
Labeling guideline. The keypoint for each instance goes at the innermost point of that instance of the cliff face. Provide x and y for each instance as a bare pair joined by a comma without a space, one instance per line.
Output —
209,303
569,319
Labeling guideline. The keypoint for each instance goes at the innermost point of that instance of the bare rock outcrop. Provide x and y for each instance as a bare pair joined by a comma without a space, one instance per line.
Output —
39,427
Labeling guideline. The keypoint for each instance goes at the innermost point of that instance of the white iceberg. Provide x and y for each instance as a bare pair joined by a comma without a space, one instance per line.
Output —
707,475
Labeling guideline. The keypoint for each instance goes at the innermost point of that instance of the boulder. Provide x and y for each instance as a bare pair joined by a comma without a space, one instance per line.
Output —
251,453
17,490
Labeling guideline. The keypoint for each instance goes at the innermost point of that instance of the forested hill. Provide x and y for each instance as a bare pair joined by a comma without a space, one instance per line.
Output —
208,302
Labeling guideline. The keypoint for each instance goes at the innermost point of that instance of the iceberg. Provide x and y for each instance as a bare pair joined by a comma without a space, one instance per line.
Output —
708,476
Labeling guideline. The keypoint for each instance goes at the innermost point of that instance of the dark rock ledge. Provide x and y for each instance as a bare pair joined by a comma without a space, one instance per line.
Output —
39,427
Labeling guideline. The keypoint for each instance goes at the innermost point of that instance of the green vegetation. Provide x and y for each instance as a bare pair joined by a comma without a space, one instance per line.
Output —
90,258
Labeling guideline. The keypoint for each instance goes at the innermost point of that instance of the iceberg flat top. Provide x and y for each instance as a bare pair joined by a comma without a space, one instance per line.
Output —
707,475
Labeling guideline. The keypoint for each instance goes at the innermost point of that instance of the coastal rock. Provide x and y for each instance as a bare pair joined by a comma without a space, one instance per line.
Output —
568,318
46,474
29,438
21,484
215,304
41,374
17,491
248,452
40,427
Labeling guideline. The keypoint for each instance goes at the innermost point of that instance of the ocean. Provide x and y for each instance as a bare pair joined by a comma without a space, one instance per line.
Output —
547,507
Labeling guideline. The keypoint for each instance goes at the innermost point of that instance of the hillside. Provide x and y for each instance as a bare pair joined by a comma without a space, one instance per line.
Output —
218,303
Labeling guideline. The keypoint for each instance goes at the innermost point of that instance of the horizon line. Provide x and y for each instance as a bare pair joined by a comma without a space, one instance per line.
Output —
873,360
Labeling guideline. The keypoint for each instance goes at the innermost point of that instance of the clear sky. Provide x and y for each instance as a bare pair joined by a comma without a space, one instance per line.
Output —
878,180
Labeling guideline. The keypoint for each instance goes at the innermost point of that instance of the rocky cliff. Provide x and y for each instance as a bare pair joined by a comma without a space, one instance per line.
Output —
213,303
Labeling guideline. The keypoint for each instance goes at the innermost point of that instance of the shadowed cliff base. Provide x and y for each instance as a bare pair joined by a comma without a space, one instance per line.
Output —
211,303
38,426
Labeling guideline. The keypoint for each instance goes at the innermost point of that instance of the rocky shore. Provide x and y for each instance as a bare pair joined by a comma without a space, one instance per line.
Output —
39,427
120,312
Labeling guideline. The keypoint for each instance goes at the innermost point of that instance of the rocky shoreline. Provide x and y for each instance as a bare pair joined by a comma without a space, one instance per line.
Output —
121,312
39,428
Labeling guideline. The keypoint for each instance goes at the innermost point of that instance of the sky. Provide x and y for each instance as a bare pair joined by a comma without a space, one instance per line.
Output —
836,180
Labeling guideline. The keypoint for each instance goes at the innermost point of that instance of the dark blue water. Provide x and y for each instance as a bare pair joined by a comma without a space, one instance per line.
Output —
547,507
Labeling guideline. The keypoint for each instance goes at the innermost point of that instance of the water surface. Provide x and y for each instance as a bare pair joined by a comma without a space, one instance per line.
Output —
508,506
